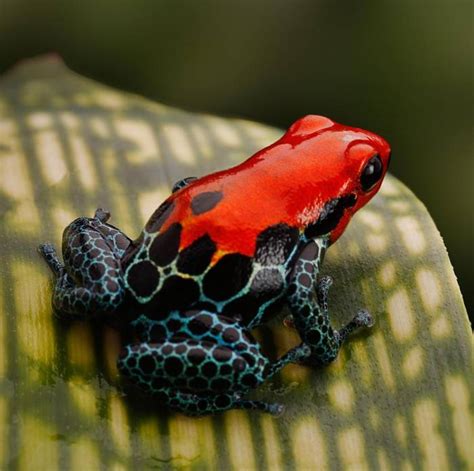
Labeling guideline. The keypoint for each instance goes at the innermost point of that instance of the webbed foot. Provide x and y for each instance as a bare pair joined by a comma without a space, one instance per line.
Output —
361,319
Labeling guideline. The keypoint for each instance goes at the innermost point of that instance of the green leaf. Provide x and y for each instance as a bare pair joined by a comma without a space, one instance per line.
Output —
396,398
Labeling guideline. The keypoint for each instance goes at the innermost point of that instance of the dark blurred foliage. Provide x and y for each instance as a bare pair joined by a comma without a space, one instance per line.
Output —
400,68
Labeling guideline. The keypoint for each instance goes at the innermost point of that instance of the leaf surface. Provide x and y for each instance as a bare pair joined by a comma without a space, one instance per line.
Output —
398,397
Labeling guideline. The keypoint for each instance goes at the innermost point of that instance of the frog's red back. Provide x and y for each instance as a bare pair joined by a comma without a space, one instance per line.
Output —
291,181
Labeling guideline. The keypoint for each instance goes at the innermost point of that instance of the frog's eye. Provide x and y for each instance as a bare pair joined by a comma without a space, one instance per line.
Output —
372,173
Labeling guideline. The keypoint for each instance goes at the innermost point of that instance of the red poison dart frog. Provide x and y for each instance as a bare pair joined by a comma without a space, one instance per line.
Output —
218,258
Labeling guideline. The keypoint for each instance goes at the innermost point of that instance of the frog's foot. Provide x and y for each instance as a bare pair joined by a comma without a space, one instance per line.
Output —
90,282
48,252
197,404
200,404
102,215
361,319
274,409
297,354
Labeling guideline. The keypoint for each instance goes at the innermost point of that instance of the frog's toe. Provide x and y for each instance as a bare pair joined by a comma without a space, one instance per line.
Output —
46,248
325,282
48,252
322,290
364,319
102,215
276,410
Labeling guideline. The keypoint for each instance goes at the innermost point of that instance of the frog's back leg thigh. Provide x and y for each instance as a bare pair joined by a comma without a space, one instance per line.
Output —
211,357
307,299
90,280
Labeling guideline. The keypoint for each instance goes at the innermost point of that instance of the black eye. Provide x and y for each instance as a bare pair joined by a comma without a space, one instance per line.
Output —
371,173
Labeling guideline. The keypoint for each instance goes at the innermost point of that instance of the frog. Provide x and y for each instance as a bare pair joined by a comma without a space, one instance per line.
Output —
221,256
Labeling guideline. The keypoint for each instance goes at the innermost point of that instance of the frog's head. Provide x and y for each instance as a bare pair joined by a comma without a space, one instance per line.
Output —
343,169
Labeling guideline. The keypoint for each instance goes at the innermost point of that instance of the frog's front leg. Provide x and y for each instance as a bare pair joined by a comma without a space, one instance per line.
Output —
90,280
307,299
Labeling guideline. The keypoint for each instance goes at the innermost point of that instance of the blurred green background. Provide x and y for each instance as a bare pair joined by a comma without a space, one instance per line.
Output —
402,69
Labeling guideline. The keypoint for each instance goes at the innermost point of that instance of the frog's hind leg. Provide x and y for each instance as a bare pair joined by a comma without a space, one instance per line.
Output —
199,404
307,299
209,356
90,280
196,378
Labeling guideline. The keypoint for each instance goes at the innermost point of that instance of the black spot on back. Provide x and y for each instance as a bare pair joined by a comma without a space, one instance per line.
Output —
267,283
227,277
159,216
330,216
176,293
195,258
274,244
143,278
164,249
246,306
158,331
204,202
